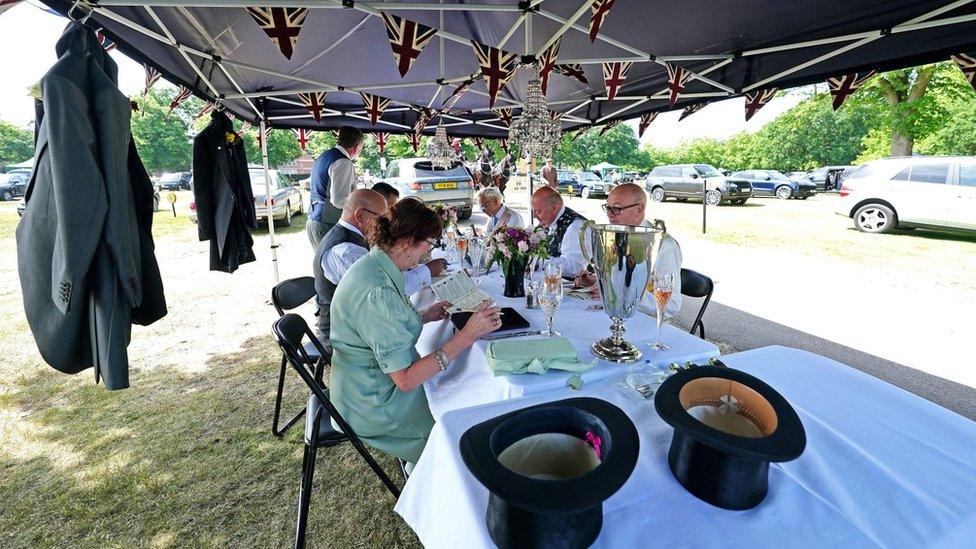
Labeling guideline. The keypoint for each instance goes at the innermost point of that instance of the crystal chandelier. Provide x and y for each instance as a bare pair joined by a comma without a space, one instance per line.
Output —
439,150
534,131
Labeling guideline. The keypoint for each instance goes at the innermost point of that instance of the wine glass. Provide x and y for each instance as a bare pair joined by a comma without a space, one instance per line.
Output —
661,286
550,298
554,274
461,243
450,238
476,250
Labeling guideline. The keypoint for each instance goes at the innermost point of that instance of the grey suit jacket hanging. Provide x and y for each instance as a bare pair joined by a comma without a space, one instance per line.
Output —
85,253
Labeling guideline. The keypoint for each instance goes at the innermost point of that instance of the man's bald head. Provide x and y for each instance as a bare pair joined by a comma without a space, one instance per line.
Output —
546,203
631,201
362,207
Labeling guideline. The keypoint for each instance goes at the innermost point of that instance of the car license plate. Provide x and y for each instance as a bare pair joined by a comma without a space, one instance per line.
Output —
441,186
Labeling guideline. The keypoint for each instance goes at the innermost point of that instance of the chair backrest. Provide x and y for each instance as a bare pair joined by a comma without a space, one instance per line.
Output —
292,293
695,284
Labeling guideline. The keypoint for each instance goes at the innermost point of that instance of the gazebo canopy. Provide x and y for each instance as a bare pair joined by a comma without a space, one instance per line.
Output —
609,60
602,166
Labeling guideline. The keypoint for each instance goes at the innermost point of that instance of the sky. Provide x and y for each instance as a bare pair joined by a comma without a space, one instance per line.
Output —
28,36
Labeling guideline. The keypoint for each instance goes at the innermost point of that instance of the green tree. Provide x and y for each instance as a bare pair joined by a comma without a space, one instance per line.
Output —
617,146
282,147
164,142
16,144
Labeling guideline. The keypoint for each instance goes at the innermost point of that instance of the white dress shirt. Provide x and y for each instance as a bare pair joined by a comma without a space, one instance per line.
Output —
342,179
572,254
514,219
340,257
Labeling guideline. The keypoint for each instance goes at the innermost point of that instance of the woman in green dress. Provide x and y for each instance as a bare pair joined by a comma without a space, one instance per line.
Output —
377,372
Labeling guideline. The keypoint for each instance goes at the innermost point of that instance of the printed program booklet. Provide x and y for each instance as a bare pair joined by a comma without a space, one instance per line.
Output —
461,292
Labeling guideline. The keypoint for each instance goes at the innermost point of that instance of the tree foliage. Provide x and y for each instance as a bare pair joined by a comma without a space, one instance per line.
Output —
16,144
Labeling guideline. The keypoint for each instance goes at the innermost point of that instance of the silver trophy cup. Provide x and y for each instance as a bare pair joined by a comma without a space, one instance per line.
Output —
623,258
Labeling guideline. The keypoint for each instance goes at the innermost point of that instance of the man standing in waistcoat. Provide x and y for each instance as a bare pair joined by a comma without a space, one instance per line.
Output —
333,179
563,225
345,243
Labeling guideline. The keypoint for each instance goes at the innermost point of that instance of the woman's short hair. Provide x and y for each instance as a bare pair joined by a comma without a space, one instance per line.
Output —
408,219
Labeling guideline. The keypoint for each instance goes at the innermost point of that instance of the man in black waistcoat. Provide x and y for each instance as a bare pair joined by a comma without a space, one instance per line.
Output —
563,225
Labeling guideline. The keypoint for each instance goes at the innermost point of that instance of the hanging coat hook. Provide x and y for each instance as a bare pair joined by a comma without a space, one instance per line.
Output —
86,8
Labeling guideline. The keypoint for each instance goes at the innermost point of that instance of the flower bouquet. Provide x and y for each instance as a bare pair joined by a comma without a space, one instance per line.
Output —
513,248
448,215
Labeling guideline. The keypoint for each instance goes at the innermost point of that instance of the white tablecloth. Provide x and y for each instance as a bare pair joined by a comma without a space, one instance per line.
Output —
882,467
468,382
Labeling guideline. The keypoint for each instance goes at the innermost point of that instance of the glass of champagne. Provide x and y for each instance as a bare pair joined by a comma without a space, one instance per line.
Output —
663,286
554,274
550,298
462,248
450,238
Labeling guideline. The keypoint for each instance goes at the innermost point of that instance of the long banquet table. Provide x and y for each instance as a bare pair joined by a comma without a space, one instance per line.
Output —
882,467
469,382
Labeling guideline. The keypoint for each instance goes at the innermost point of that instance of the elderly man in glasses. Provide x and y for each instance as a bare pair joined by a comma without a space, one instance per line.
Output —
492,202
345,243
626,205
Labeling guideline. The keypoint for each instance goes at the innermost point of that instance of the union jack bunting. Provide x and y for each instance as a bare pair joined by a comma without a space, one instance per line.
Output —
677,80
600,9
458,92
690,110
608,126
206,109
407,38
504,145
375,105
479,143
645,122
152,76
557,116
497,68
757,100
104,41
573,71
614,75
7,4
244,127
380,138
302,135
415,142
181,96
967,64
282,25
314,102
841,87
504,116
579,131
547,62
424,114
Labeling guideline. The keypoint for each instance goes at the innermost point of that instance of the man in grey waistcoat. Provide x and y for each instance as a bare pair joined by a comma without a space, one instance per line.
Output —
333,179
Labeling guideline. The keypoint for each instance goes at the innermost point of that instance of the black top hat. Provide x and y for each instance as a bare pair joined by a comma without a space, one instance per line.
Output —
723,458
553,495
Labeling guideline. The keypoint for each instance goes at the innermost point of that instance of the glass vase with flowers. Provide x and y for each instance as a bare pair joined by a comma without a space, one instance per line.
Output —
513,248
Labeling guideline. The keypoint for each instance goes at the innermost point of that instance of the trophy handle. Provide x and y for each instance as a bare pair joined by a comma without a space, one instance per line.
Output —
659,224
585,230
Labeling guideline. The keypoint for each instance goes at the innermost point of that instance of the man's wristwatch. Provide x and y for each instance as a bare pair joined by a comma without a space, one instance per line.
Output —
442,359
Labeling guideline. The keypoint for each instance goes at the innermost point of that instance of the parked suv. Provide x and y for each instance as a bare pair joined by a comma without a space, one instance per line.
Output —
684,181
13,185
925,192
585,184
774,183
417,177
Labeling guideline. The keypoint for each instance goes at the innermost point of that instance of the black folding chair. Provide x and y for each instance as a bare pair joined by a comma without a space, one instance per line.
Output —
695,284
288,295
291,330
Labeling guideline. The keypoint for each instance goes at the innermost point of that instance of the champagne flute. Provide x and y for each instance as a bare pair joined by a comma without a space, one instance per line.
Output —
476,249
663,286
554,274
450,237
462,248
550,298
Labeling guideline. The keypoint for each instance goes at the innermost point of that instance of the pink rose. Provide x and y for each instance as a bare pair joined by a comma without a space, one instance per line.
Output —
523,246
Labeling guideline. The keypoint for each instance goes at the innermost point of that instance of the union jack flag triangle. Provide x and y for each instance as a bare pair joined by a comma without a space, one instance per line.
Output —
547,62
152,76
104,41
244,127
480,143
282,25
574,70
380,138
424,115
504,116
645,122
302,135
314,102
7,4
375,105
579,131
458,92
610,125
758,100
677,80
415,142
181,96
557,116
206,109
407,38
614,75
690,110
497,68
600,9
504,144
967,64
841,87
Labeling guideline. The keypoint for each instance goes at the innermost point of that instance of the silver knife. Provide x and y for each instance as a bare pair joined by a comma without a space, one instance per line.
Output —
512,334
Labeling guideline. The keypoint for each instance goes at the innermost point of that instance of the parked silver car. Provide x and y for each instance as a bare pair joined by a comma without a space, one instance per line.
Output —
286,199
691,181
450,187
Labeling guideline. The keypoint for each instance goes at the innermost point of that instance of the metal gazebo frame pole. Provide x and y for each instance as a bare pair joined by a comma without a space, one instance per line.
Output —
267,190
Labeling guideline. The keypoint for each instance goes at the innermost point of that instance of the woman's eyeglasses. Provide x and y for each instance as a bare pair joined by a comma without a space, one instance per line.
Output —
433,243
617,210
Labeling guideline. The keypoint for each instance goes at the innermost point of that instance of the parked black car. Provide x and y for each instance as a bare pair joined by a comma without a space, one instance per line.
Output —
774,183
175,181
13,185
829,178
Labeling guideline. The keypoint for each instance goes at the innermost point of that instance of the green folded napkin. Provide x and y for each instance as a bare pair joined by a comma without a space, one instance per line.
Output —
536,356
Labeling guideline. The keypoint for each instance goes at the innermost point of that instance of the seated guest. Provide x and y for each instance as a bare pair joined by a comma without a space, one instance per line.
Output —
389,192
344,244
563,225
626,206
492,202
376,372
